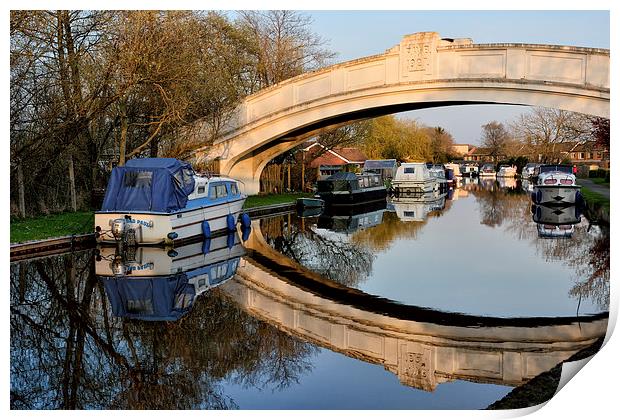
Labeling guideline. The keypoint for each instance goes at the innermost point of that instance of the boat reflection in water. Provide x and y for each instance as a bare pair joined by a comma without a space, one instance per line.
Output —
416,207
161,284
555,222
507,183
352,218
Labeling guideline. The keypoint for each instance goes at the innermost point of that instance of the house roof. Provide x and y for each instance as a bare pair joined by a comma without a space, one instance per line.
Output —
337,156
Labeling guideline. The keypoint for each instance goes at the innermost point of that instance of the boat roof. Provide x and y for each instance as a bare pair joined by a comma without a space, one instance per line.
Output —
155,163
342,176
380,164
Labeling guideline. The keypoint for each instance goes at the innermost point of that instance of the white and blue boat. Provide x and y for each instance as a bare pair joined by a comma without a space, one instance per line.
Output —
162,200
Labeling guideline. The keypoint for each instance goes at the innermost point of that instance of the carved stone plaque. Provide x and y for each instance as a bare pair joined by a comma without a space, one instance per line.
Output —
416,369
417,54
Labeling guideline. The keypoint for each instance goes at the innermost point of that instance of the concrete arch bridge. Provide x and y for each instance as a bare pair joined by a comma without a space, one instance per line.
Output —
422,71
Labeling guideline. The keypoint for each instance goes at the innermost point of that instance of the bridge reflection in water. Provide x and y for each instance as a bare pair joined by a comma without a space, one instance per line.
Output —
423,347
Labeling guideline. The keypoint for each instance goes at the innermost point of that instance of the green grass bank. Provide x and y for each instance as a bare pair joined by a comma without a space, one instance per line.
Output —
64,224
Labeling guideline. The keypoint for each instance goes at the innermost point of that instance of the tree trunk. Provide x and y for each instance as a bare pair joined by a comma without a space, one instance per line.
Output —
20,189
72,185
303,171
289,176
123,139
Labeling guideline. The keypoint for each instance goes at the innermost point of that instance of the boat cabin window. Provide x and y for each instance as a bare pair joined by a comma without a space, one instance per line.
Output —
233,189
138,179
201,189
217,191
409,170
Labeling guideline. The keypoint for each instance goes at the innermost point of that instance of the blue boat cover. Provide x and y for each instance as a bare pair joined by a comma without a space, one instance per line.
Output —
164,298
149,184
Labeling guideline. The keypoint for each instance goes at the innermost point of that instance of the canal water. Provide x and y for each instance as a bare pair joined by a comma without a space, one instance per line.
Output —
445,301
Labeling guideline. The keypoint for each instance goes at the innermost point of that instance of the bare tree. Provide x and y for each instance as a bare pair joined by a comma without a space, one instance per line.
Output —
545,129
495,137
283,45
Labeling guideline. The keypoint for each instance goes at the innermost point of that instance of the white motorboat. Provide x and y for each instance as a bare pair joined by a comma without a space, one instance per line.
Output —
487,169
469,169
528,170
414,178
162,200
556,185
456,168
507,171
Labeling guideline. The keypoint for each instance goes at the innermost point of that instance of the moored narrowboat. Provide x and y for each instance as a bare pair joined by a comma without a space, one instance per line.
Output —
346,188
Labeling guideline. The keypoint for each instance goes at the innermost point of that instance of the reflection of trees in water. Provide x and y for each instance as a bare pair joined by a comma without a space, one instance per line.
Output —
586,252
68,351
380,237
495,204
329,254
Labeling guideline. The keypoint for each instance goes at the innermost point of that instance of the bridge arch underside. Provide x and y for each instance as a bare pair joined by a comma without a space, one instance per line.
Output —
249,151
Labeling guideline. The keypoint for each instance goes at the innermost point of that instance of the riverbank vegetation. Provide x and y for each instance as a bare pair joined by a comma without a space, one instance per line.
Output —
90,89
76,223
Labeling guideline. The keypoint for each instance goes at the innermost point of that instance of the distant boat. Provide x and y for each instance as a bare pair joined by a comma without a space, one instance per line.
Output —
528,170
456,168
346,188
414,178
487,170
507,171
469,169
556,185
160,200
439,172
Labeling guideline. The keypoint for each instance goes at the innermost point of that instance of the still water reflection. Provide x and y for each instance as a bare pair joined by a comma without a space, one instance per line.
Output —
370,309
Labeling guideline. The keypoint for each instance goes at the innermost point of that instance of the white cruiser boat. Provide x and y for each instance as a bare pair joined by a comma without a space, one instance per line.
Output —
469,169
528,170
487,169
456,168
162,200
506,171
556,185
414,178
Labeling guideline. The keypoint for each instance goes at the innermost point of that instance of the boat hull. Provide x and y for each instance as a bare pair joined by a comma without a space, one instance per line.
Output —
346,198
156,228
415,187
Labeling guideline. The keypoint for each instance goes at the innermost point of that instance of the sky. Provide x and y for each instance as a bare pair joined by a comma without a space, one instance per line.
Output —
355,34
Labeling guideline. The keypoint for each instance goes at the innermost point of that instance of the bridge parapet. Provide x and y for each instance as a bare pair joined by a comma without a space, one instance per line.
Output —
423,70
425,57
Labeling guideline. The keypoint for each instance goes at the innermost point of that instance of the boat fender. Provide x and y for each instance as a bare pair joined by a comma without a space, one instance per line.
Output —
172,253
230,240
245,233
245,220
538,213
206,246
538,196
206,229
578,212
230,222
